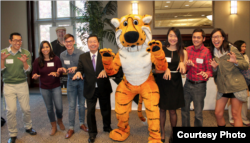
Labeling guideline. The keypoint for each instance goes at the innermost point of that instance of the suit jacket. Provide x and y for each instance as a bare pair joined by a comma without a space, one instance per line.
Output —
85,66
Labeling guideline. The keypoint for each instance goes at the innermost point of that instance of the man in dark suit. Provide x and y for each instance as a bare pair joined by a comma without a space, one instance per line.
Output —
96,85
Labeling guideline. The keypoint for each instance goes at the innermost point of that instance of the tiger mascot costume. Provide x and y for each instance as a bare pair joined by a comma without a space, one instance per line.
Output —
137,52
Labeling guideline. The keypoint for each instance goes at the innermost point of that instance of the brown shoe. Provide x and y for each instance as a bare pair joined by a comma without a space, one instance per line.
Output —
53,128
83,127
60,123
69,133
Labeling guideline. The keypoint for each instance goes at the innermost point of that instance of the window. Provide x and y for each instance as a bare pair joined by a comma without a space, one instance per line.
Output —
52,14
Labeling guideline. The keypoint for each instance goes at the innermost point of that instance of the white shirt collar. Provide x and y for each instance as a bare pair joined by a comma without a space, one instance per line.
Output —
93,54
9,49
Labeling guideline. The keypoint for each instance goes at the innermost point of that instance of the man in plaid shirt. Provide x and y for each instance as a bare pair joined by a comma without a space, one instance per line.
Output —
198,72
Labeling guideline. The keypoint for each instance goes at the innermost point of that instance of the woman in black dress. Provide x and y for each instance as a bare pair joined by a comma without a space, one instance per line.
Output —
170,81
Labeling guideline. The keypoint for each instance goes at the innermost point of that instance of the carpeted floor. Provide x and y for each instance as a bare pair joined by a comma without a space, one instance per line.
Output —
40,121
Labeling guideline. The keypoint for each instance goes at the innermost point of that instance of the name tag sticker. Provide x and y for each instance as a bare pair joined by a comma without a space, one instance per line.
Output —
50,64
9,61
66,62
168,59
199,61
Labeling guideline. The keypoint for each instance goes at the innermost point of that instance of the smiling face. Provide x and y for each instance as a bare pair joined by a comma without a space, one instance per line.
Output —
198,39
217,39
243,48
172,38
60,34
93,44
69,43
46,49
16,42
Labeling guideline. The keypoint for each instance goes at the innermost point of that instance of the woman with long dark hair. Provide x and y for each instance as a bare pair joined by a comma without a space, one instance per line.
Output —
45,67
241,46
170,81
226,63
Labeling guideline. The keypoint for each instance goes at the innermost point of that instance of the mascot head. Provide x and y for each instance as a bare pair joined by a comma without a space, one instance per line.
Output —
132,32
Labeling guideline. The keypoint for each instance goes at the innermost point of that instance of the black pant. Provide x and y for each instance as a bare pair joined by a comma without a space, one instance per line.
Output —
105,106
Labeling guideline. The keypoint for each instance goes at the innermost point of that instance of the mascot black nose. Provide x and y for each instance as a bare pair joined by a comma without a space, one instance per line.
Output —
131,37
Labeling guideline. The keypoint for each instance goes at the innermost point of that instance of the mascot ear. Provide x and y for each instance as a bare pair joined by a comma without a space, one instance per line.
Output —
115,22
146,19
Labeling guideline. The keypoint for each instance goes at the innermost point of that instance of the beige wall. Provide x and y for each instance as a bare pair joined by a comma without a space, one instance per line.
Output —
13,19
237,26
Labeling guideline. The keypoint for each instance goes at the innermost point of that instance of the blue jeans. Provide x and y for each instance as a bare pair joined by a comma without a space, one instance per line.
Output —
197,94
51,96
75,89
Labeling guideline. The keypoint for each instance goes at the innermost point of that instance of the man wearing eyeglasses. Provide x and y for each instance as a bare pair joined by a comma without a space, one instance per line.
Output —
69,59
58,44
198,72
15,65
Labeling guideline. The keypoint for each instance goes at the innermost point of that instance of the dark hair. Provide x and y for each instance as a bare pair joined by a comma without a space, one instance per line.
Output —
68,36
224,45
92,36
238,44
41,56
15,33
179,44
199,30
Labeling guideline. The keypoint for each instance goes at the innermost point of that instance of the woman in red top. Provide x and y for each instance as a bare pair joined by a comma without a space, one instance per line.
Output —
45,67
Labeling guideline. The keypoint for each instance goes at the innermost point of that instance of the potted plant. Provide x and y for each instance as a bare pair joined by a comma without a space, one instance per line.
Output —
92,19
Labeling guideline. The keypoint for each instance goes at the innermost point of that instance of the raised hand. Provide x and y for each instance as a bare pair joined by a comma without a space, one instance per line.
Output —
232,58
4,56
203,74
77,76
72,69
23,58
102,74
167,74
181,67
154,47
213,63
106,52
62,69
35,76
189,63
54,74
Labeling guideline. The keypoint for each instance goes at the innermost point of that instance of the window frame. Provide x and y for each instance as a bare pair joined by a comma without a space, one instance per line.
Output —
54,20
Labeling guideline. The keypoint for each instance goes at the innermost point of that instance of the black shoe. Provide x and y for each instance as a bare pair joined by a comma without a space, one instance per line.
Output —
108,129
163,140
91,139
12,140
171,139
31,131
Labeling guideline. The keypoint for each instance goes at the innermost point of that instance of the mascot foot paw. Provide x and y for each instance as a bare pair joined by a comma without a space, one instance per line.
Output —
118,135
154,46
154,141
107,52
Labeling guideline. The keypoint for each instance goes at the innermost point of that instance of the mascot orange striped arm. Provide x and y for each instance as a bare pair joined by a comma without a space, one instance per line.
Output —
137,52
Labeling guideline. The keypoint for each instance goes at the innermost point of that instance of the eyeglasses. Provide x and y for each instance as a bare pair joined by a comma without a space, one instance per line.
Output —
216,37
17,41
68,42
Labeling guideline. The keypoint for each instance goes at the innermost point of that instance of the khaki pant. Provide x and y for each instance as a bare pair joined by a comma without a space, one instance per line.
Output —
12,92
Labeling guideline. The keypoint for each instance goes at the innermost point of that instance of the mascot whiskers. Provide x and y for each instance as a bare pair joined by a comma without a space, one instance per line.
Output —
137,52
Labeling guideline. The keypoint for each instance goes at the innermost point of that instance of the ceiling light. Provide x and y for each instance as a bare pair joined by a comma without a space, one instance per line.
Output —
202,15
166,6
168,2
187,5
175,16
191,1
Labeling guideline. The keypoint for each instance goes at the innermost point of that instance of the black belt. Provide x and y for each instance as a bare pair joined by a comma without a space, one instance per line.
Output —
196,82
